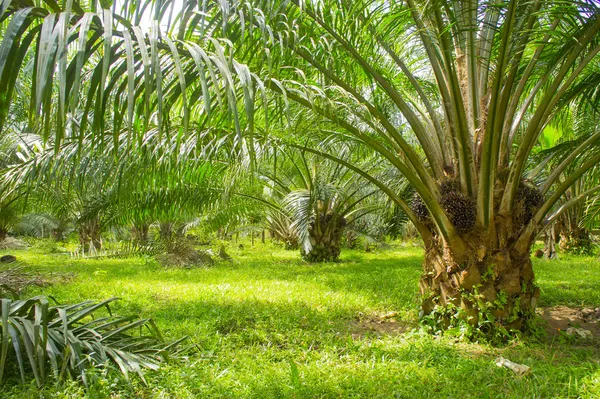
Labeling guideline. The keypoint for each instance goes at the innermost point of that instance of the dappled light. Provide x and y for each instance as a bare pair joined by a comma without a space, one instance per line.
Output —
300,198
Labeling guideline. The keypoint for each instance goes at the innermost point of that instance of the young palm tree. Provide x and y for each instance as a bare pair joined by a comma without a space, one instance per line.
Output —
573,217
11,204
95,190
453,94
318,198
573,225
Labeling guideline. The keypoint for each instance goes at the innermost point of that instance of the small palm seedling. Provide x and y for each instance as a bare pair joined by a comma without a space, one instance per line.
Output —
66,341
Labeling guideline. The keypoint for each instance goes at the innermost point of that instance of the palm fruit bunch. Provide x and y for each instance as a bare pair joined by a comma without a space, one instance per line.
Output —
448,186
460,208
529,200
419,208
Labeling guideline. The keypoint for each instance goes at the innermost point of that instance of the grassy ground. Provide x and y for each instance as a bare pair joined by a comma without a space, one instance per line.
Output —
270,326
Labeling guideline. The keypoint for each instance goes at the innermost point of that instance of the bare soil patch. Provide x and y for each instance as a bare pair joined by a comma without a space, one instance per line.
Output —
560,318
13,243
377,325
14,280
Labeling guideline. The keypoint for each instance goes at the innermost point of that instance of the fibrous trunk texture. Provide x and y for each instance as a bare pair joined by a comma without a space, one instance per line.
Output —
488,289
89,237
58,234
139,234
288,237
351,239
165,231
325,235
485,278
576,240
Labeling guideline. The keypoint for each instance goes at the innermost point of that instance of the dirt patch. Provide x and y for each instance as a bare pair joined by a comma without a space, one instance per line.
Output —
377,325
560,318
185,259
13,243
15,280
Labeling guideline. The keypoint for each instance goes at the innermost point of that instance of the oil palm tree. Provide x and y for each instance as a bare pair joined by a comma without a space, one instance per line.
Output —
453,94
96,190
318,198
576,211
11,203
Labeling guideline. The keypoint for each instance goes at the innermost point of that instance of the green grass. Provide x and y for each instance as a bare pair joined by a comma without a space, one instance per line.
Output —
570,281
270,326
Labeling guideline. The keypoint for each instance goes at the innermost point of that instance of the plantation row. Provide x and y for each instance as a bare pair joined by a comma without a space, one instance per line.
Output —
162,127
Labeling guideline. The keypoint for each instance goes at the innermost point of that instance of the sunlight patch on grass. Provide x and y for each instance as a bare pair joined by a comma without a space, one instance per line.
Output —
258,319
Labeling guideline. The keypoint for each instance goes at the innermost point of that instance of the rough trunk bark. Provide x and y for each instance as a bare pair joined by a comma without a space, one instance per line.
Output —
325,236
323,251
576,240
139,234
490,289
58,234
291,244
165,231
3,233
351,239
90,238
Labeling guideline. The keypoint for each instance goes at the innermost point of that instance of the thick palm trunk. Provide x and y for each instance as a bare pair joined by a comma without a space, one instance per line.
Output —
291,243
3,233
90,238
485,278
165,231
139,234
351,239
325,236
487,288
323,250
58,234
576,240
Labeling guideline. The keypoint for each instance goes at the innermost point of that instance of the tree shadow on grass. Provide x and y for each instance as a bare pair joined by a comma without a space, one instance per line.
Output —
256,338
575,294
389,281
290,324
412,367
426,368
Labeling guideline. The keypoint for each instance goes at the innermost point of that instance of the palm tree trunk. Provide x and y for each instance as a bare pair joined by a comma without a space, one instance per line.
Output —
58,234
89,237
576,240
165,231
352,240
486,287
139,234
325,240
